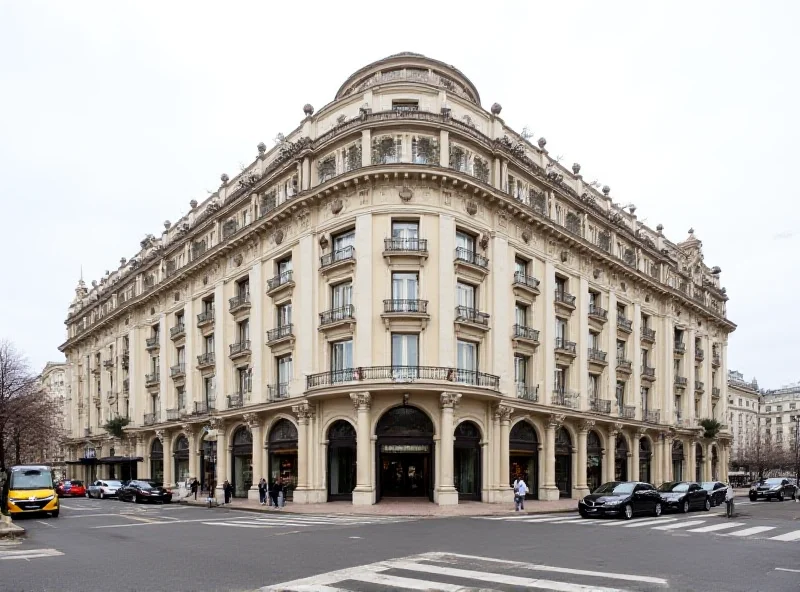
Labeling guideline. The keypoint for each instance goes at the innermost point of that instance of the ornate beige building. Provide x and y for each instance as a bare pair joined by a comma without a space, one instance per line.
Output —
403,297
743,413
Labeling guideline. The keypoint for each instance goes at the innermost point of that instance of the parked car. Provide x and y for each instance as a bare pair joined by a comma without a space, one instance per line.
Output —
141,491
684,496
716,491
101,489
621,498
70,488
774,487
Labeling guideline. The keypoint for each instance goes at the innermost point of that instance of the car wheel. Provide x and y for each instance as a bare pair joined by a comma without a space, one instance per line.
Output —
583,514
708,504
779,497
753,498
685,507
54,514
100,495
657,510
628,512
139,500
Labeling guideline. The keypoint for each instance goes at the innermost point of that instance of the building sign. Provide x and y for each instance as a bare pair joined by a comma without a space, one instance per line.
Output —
89,453
397,448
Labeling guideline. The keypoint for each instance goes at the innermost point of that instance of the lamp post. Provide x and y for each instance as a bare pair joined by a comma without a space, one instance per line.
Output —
796,419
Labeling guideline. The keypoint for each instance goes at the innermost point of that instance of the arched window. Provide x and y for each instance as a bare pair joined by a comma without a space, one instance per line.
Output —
405,421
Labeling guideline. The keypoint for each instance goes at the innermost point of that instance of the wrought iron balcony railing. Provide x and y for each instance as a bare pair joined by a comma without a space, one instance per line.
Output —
278,333
279,391
204,407
108,364
206,359
624,324
598,312
699,354
465,314
151,418
564,298
126,360
680,347
405,245
152,378
173,414
126,385
177,331
280,280
699,385
523,332
527,392
242,347
334,315
681,381
566,346
471,257
716,359
597,355
405,305
652,416
345,254
237,400
626,411
151,342
600,406
624,364
648,334
391,374
527,281
565,398
205,317
648,371
177,370
239,302
715,392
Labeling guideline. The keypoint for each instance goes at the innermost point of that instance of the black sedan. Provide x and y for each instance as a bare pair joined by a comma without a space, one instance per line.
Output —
776,487
716,491
621,498
684,496
141,492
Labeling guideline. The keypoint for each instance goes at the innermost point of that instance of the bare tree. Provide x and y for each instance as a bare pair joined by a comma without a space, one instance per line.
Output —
763,457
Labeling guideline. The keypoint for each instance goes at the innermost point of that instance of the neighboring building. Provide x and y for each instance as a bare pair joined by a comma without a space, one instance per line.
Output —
53,381
779,408
743,410
404,297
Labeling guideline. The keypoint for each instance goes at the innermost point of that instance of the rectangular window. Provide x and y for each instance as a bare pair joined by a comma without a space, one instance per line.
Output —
465,242
405,230
521,369
594,300
245,217
645,398
244,380
179,319
284,265
405,105
520,267
645,321
342,360
620,394
466,295
645,358
594,387
344,240
466,361
405,355
562,329
209,344
405,286
621,311
594,340
284,370
209,392
243,287
285,314
561,285
208,305
153,369
341,295
560,379
243,331
181,355
521,315
676,366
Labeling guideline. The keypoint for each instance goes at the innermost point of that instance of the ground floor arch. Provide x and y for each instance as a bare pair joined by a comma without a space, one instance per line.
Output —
282,443
241,461
342,460
524,456
404,453
467,461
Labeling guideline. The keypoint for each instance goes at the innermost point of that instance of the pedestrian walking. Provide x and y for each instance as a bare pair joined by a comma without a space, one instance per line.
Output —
274,491
227,491
729,501
520,490
193,487
262,491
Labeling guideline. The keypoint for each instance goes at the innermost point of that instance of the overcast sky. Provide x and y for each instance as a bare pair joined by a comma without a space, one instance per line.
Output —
114,115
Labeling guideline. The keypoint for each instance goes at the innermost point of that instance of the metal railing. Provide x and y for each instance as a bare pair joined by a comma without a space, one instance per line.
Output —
152,378
471,257
280,280
151,418
126,385
403,374
126,359
564,345
177,370
699,385
173,414
279,391
648,371
715,392
527,392
334,315
237,400
623,364
465,314
203,407
680,347
405,305
205,317
681,381
626,411
405,245
597,355
598,312
206,359
716,359
108,364
239,301
177,331
653,416
600,406
564,297
151,342
344,254
523,332
280,332
648,334
624,324
528,281
241,347
565,398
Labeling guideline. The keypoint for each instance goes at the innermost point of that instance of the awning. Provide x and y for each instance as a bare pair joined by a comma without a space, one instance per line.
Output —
82,461
119,460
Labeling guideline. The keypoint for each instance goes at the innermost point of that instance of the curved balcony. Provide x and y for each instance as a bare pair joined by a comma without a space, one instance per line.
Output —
278,392
598,359
681,382
470,264
522,335
600,406
648,373
405,314
699,354
562,397
280,335
405,250
205,360
177,332
527,392
152,379
177,371
240,349
624,366
403,374
525,285
338,322
239,303
648,334
564,301
625,325
338,261
281,284
206,318
565,350
471,322
680,348
598,316
151,343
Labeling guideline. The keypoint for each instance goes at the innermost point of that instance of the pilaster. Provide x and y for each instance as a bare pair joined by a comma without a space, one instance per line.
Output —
444,148
549,340
611,448
190,355
364,492
502,310
635,349
221,316
551,492
304,413
583,353
363,295
581,485
165,384
257,337
502,415
366,147
448,496
611,347
446,279
254,424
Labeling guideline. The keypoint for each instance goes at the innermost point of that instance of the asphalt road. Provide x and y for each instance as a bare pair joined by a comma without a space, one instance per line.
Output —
102,545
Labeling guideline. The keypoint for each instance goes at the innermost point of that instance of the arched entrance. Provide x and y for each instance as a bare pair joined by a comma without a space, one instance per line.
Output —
563,463
621,459
208,462
645,457
524,457
698,462
157,461
242,461
467,461
181,456
341,461
283,455
594,461
677,460
404,453
714,464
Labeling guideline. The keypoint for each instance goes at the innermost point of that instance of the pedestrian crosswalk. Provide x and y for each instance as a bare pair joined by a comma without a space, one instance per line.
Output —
27,554
699,523
305,520
453,572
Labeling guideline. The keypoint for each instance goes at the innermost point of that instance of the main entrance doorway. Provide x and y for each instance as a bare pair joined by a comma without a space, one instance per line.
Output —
524,457
405,454
467,461
594,461
563,463
621,459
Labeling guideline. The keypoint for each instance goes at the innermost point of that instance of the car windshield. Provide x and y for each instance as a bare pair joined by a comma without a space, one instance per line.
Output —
143,485
674,487
615,488
709,486
31,479
113,484
77,483
773,481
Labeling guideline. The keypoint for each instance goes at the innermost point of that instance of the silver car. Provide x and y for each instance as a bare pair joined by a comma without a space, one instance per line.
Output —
101,489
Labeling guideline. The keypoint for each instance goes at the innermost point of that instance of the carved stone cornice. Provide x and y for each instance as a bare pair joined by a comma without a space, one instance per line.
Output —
556,420
251,420
361,401
160,435
615,429
503,413
586,425
449,400
303,411
216,423
188,429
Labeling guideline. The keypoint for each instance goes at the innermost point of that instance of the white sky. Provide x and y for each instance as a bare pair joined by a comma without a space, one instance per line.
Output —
114,115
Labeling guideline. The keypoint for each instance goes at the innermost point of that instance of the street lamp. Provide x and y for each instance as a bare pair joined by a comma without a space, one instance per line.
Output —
796,419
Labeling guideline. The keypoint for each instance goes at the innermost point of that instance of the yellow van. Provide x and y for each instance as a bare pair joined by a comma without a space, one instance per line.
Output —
30,489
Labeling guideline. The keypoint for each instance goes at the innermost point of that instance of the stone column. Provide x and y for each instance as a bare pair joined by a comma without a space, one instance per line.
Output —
550,489
304,413
221,467
494,465
634,475
691,464
581,486
707,469
194,447
364,492
169,459
444,149
504,492
366,147
448,496
611,450
254,424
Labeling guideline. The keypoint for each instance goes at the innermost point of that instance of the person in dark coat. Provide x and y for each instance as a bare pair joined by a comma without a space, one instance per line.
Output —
227,489
262,491
274,490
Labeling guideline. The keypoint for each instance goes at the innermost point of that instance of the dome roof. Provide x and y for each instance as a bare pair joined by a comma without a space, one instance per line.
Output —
412,67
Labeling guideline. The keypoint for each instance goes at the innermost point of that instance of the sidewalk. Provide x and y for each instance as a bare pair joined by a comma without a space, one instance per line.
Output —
9,529
400,507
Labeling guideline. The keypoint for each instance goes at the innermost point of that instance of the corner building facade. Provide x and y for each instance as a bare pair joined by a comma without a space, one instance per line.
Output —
404,297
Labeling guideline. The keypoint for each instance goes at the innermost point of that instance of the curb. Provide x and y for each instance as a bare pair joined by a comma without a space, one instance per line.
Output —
286,511
10,531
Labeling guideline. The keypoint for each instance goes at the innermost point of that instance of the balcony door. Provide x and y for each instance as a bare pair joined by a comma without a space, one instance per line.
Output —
405,230
467,361
285,314
405,355
342,295
342,241
405,286
341,361
465,242
465,295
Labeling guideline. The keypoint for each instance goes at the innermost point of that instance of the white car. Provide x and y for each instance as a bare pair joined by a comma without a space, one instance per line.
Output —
101,489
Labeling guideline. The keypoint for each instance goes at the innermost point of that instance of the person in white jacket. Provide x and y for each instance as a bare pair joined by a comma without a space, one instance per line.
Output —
729,501
520,490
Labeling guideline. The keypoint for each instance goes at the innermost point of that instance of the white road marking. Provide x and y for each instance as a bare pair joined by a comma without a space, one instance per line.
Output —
638,523
588,521
749,531
568,520
29,554
544,519
397,582
46,523
787,569
514,517
683,524
789,536
716,527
